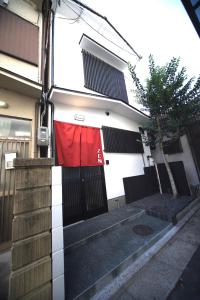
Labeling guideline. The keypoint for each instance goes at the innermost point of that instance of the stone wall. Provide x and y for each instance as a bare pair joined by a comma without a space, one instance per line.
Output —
31,264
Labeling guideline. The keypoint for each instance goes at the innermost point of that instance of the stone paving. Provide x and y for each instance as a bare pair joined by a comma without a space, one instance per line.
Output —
157,278
103,258
163,206
188,286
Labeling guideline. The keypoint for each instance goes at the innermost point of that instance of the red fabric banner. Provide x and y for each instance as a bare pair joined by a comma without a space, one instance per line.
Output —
78,145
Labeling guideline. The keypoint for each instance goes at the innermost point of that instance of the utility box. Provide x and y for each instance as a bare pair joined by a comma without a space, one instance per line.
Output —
43,136
9,158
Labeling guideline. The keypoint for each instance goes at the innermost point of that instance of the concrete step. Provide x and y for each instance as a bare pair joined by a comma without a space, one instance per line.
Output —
84,232
166,207
93,265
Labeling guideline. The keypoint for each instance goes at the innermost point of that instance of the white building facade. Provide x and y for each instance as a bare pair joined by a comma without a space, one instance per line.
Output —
84,93
91,90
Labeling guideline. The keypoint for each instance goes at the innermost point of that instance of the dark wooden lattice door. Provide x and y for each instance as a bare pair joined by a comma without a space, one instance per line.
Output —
84,193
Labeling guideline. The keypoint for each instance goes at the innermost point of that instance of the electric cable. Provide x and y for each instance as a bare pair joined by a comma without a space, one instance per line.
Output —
131,53
111,25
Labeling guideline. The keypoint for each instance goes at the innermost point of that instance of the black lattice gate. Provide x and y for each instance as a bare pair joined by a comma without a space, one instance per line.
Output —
84,193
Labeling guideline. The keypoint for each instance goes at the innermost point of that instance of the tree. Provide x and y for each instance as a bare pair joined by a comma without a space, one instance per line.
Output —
172,100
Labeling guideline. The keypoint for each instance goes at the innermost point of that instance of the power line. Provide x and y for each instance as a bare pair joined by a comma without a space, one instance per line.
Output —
111,25
73,19
98,31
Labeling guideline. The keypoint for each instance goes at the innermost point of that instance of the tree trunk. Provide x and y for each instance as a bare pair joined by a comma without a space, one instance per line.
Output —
169,172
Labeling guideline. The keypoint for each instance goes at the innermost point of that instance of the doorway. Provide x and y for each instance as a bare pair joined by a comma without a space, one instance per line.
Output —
84,193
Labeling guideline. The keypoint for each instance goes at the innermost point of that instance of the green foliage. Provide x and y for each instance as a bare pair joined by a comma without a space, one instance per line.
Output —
172,99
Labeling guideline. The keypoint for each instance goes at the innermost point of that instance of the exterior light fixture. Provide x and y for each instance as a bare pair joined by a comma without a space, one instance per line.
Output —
3,104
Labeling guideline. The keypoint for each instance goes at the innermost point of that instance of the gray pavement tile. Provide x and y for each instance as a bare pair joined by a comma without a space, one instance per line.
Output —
123,295
188,286
146,290
197,214
177,254
157,278
154,281
194,221
88,263
190,233
91,226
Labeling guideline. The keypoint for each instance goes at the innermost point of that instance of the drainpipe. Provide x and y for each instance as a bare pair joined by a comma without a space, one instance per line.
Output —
45,106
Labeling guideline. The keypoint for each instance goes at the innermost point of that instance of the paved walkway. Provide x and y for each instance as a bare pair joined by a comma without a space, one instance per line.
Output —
161,206
188,285
157,279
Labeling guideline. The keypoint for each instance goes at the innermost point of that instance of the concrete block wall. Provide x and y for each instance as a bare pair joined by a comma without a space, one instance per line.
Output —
57,235
31,263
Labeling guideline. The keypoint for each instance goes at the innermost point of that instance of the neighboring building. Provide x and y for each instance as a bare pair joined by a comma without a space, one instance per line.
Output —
20,70
181,150
193,9
20,90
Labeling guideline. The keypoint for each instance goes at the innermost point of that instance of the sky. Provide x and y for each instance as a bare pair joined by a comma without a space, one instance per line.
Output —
158,27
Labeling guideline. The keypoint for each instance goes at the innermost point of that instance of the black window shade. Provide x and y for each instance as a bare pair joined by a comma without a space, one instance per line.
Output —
103,78
172,147
122,141
18,37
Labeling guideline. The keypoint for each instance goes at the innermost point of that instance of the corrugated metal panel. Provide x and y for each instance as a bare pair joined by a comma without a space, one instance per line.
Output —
103,78
18,37
122,141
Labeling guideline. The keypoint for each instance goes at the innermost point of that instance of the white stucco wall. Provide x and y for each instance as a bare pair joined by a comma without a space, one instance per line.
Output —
185,156
120,165
68,57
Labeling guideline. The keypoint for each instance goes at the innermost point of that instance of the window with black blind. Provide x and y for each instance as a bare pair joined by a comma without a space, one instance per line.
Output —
121,141
18,37
103,78
172,147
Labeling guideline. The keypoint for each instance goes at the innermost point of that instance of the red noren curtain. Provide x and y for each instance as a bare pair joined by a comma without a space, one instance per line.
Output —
78,145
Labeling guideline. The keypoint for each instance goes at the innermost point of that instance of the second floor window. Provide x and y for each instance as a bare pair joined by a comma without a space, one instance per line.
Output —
103,78
18,37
